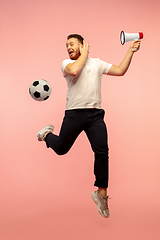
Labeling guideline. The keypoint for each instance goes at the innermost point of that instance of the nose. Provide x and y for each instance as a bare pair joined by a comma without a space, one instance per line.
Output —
69,47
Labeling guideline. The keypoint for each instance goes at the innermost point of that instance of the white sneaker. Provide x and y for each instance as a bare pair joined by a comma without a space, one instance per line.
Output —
41,133
102,204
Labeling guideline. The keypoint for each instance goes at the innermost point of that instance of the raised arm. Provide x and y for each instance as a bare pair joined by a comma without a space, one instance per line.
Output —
124,65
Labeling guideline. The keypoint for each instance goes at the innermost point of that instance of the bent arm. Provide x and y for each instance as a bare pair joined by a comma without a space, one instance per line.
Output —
74,69
124,65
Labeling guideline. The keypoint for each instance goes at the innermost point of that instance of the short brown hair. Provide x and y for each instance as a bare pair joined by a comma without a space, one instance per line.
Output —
77,36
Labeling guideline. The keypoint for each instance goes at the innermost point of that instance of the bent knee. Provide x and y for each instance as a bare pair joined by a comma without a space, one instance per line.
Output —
61,152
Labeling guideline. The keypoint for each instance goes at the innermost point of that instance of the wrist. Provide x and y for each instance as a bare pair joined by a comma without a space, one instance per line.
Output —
84,56
130,51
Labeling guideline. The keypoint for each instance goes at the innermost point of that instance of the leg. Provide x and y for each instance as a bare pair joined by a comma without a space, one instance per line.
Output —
97,134
69,131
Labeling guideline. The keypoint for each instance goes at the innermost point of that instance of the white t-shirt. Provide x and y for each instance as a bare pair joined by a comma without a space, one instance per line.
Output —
84,91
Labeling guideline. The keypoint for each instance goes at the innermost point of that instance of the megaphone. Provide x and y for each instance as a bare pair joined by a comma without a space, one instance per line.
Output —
125,37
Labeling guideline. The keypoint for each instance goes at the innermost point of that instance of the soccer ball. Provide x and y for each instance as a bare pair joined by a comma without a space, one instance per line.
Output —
40,90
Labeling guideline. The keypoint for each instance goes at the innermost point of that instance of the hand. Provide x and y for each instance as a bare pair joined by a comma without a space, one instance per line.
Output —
84,49
135,46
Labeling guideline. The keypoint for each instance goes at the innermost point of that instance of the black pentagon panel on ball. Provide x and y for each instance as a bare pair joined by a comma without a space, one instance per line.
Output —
46,88
46,98
36,94
35,83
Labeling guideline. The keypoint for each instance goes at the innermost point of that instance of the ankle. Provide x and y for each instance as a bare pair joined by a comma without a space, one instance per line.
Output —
45,136
102,192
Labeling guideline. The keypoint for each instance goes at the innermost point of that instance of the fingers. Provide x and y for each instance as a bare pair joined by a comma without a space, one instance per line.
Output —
85,45
88,46
84,49
136,45
137,41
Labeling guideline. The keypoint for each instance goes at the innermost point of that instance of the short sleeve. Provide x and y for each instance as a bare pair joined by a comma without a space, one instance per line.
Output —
105,67
64,64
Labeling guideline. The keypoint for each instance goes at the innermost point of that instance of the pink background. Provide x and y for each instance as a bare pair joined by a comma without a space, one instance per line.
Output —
45,196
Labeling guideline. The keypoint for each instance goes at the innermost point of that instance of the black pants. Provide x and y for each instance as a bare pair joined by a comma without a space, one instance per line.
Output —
90,121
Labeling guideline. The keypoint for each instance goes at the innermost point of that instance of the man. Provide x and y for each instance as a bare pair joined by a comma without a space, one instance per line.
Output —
83,110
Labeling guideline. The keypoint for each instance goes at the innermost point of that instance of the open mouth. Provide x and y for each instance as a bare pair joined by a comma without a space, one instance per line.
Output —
71,52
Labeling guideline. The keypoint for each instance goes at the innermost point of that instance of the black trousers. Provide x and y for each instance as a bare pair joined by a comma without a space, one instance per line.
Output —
91,121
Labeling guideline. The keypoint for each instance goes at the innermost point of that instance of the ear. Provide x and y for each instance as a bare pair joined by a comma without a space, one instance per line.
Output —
80,46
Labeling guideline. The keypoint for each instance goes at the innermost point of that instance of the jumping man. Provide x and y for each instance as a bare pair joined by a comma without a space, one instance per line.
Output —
83,110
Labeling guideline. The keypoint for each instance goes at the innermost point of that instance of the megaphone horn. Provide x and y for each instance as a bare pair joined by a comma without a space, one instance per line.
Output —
125,37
